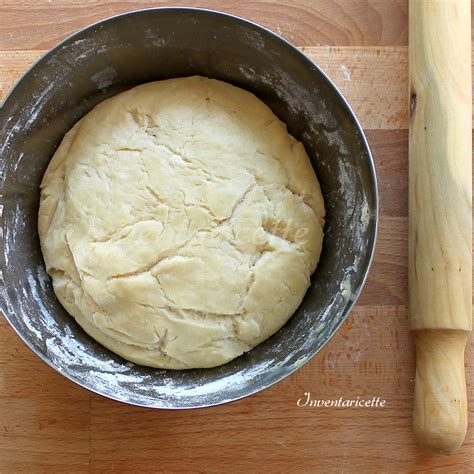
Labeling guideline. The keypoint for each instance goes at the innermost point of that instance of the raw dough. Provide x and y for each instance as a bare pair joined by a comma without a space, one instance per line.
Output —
180,223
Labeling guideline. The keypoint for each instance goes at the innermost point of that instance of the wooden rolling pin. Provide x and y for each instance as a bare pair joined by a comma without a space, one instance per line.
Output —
440,223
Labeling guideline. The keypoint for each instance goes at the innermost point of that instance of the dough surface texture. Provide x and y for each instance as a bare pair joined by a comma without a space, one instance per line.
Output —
180,223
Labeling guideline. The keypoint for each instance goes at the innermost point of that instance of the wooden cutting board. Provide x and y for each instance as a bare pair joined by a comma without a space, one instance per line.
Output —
48,424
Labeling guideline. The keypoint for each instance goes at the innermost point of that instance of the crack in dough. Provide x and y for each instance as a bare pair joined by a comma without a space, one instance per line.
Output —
171,218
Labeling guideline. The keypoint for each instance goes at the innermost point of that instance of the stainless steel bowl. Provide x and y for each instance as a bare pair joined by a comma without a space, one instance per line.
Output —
147,45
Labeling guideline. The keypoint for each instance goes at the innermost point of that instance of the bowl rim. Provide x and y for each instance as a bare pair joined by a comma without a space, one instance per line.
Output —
374,216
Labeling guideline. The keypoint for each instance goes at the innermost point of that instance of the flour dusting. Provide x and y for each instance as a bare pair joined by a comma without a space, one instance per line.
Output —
345,72
104,78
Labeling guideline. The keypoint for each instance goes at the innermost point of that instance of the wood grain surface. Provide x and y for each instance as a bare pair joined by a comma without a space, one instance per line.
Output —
48,424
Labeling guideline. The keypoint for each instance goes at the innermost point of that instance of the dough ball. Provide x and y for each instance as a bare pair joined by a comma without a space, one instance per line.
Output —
180,223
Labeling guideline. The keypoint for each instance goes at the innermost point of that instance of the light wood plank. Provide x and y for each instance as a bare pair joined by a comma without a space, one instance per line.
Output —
44,418
390,152
372,355
39,24
387,283
374,80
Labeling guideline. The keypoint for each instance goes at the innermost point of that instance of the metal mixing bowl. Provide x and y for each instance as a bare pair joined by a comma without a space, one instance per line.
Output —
147,45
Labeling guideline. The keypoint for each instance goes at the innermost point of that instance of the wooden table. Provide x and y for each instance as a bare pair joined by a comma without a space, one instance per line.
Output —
48,424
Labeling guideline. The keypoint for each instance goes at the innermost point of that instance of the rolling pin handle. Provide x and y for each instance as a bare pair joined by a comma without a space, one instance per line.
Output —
440,409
